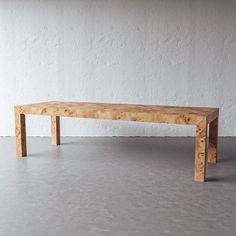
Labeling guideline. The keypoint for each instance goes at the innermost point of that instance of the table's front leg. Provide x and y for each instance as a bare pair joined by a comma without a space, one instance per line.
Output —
213,136
200,151
20,130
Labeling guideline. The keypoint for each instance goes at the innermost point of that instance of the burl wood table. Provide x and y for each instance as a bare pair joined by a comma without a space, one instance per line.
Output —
200,117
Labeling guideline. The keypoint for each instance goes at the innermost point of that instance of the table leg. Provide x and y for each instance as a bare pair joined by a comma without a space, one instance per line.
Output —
200,151
213,139
20,130
55,126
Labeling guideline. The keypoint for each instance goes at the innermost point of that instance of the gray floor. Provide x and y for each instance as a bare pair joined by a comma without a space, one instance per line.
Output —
115,186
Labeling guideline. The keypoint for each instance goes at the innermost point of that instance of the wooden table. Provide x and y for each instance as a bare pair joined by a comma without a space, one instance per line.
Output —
200,117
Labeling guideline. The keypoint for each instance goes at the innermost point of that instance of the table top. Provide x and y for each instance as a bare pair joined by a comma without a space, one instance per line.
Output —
202,111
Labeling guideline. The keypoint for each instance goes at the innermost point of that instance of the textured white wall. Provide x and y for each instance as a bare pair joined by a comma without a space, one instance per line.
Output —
176,52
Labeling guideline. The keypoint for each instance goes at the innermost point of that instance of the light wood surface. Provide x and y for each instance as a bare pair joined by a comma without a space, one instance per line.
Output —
198,116
130,112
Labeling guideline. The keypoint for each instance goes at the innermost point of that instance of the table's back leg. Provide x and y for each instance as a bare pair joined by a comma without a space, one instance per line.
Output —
200,151
55,129
20,130
213,137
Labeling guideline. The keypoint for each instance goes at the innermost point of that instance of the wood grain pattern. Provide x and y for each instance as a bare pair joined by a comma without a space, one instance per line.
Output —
20,131
200,151
213,139
198,116
129,112
55,129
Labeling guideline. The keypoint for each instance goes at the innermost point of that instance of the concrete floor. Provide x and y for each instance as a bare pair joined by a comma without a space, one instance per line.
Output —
115,187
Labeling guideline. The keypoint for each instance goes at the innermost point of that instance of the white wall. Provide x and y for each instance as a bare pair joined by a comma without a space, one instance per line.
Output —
176,52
